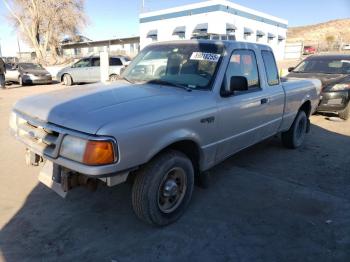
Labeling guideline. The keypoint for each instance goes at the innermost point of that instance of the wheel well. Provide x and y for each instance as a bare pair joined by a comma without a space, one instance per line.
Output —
306,107
64,75
190,149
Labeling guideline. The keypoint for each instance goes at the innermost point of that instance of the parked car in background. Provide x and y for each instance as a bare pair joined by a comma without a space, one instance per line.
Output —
334,72
87,70
27,73
346,47
309,50
164,127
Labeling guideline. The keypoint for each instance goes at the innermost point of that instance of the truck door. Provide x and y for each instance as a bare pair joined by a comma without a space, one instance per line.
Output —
242,115
274,95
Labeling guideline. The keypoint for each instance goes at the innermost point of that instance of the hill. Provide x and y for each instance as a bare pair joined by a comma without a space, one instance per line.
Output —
336,30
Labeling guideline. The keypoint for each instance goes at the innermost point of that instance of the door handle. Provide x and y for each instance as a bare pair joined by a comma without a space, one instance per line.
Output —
264,101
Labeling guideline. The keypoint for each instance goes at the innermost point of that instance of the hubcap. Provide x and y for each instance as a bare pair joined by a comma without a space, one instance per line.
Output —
172,190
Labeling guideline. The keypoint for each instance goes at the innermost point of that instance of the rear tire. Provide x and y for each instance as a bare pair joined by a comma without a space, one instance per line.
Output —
114,78
345,114
163,188
67,80
294,137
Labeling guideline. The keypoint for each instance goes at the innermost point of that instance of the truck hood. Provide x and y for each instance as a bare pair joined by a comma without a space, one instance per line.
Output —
88,108
326,79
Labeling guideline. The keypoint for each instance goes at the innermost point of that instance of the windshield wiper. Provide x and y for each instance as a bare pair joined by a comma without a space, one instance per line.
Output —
168,83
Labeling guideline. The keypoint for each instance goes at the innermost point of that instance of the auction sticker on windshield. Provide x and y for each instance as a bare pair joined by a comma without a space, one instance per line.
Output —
205,56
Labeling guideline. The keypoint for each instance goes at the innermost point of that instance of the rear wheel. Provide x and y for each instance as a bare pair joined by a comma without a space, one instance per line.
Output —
163,188
114,78
345,114
294,137
67,80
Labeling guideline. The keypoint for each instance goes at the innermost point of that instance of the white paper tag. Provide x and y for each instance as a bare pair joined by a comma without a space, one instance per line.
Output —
205,56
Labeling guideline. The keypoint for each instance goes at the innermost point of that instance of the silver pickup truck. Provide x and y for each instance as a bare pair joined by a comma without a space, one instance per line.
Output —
179,109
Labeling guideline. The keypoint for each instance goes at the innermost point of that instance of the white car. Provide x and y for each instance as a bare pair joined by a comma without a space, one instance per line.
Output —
346,47
87,70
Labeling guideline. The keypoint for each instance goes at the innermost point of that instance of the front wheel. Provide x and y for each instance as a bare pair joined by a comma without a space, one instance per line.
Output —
294,137
67,80
345,114
163,188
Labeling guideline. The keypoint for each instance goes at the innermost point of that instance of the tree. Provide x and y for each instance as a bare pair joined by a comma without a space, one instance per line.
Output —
330,40
44,23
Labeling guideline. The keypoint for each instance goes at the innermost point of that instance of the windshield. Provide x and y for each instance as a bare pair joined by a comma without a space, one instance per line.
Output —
325,66
26,66
190,65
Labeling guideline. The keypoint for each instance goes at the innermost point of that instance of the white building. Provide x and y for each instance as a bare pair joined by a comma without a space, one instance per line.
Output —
216,19
116,46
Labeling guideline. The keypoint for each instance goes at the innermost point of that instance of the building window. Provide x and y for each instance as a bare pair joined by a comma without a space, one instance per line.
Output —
247,33
259,35
200,31
180,32
270,38
153,34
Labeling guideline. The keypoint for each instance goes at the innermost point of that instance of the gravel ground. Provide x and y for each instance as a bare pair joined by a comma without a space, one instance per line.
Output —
266,203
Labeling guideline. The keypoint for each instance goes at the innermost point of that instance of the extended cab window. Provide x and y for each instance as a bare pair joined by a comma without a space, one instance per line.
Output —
114,61
243,63
270,68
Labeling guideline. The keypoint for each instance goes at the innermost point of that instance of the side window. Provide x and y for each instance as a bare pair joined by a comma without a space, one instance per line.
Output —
83,63
270,68
114,61
243,63
95,61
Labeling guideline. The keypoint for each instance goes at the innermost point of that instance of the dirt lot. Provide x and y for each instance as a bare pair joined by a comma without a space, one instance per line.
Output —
264,204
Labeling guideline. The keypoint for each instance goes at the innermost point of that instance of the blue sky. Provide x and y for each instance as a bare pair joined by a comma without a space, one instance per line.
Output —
111,18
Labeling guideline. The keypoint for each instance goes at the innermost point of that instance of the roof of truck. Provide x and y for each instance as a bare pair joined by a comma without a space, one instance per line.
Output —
226,43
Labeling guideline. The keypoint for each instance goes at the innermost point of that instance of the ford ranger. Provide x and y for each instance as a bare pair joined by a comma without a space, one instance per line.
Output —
177,110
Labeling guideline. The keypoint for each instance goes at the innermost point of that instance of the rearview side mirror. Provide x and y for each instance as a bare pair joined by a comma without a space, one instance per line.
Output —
237,83
290,69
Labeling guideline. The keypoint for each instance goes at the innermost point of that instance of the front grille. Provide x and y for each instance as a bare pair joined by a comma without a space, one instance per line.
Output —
38,138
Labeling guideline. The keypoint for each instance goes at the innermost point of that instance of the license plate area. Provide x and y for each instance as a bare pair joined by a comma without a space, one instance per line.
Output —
48,174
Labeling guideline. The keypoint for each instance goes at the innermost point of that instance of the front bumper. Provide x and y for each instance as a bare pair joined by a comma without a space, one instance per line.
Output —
37,79
44,139
333,101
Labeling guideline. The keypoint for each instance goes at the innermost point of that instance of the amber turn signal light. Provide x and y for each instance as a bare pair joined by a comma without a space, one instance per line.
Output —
99,153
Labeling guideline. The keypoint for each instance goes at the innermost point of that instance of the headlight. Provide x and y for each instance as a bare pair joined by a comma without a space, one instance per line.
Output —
341,87
13,122
90,152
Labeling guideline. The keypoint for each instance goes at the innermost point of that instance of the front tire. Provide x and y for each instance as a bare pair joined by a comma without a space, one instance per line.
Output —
295,136
345,114
67,80
163,188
